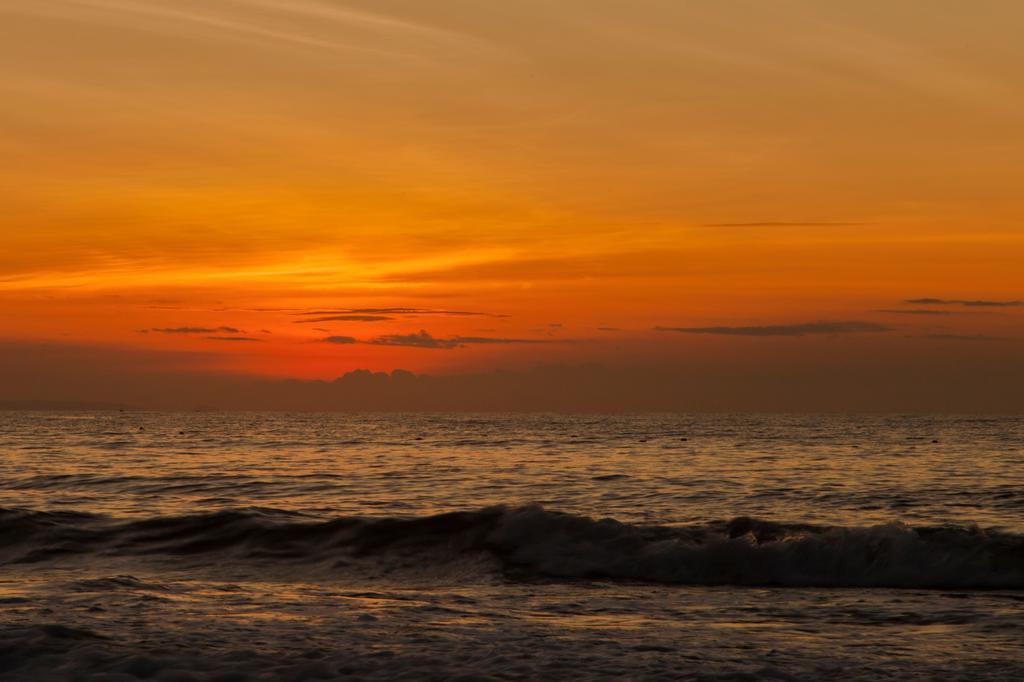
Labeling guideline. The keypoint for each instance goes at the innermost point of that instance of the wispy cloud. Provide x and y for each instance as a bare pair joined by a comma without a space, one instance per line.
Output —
381,314
243,339
347,318
968,303
192,330
786,223
913,311
305,14
424,339
802,329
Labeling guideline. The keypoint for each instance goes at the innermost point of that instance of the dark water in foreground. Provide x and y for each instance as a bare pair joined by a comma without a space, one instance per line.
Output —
281,547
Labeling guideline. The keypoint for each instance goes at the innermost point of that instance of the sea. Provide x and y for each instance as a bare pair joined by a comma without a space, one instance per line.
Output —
264,546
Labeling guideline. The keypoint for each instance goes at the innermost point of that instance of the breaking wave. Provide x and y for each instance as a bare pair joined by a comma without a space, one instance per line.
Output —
534,543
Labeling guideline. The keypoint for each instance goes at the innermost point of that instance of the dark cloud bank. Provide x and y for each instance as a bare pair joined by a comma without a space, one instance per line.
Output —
967,303
909,377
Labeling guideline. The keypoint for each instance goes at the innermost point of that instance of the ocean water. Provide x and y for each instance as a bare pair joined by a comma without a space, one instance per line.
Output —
211,546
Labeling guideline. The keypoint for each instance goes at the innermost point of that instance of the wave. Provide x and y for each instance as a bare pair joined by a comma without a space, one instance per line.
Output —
533,543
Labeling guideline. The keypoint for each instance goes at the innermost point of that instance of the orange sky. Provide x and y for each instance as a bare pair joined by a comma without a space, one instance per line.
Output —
599,180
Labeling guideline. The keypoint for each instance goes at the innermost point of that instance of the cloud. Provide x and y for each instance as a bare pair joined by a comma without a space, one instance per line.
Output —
347,318
914,311
611,264
245,339
424,340
345,24
421,340
340,340
784,223
803,329
192,330
968,303
374,314
608,329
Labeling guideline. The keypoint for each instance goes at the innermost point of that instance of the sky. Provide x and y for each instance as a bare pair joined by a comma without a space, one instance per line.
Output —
786,204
